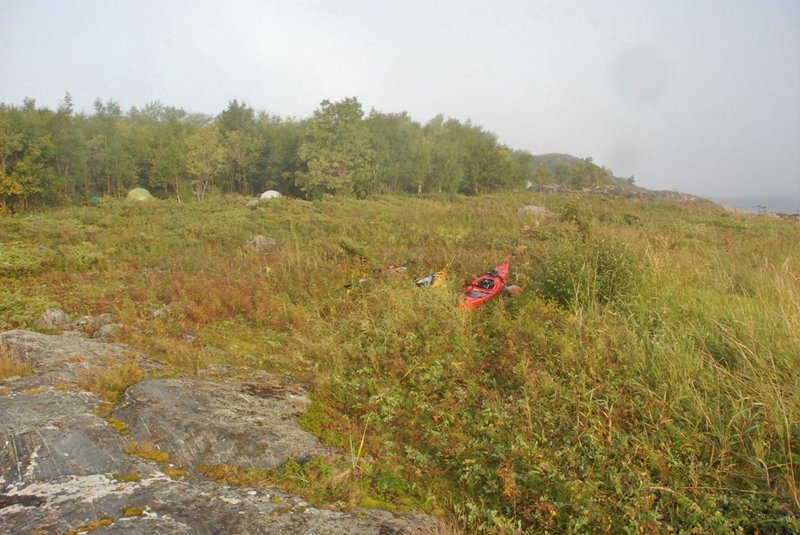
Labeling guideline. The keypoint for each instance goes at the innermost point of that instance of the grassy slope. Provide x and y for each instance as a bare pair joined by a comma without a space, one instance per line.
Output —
644,379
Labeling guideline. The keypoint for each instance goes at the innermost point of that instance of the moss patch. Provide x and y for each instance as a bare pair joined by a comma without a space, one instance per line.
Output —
146,450
92,526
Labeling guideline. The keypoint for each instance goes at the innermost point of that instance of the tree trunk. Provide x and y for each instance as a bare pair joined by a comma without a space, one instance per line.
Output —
177,191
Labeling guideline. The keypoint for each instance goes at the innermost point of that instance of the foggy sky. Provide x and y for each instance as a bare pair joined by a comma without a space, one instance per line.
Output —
701,97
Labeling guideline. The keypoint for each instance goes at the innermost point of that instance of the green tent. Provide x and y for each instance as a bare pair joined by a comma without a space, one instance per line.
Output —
139,195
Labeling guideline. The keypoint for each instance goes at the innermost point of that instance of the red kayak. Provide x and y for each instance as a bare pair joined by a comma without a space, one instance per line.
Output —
485,287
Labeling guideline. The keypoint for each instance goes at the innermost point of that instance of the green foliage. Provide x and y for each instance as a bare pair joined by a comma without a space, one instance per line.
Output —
51,157
23,164
570,171
401,159
109,382
169,165
205,157
335,151
579,274
573,213
84,255
17,309
18,258
320,481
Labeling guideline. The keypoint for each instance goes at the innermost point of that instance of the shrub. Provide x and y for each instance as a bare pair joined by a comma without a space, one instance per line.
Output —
571,212
17,309
17,259
83,255
584,273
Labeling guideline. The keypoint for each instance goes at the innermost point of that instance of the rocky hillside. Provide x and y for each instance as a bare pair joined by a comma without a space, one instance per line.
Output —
71,463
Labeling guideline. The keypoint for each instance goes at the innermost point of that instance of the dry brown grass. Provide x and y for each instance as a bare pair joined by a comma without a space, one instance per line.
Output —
11,366
111,381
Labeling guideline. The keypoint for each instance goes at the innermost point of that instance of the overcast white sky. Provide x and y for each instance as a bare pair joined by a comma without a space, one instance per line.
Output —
696,96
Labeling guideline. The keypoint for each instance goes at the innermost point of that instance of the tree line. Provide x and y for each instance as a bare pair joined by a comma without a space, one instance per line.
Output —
56,156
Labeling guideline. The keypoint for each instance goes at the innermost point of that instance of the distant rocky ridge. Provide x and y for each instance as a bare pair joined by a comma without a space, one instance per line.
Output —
555,159
621,187
68,465
624,190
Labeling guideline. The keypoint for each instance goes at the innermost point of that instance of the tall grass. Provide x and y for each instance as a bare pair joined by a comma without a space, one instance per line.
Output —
644,380
11,366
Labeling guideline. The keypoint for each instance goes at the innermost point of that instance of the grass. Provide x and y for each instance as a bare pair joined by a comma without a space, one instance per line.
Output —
110,381
644,379
12,367
331,482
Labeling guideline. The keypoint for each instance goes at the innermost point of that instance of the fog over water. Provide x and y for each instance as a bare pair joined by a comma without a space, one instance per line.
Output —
758,205
699,97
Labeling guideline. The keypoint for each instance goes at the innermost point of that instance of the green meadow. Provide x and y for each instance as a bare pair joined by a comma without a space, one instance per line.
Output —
644,380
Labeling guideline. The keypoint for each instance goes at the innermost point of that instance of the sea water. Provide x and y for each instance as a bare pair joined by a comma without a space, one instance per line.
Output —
789,204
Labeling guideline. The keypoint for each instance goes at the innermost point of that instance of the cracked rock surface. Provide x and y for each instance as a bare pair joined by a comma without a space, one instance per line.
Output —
252,424
64,467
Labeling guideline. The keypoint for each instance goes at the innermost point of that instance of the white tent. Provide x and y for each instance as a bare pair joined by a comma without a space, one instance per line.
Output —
271,194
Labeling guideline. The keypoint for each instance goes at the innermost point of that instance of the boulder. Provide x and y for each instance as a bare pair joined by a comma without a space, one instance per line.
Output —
90,324
270,194
261,244
531,209
107,332
52,319
164,311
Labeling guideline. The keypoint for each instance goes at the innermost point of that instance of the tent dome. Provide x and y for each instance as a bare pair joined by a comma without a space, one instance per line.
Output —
139,195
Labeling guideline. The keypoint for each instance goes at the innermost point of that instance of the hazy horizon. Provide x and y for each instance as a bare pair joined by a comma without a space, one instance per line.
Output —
701,98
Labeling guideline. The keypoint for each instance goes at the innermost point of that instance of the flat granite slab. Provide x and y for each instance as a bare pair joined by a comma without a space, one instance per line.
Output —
66,465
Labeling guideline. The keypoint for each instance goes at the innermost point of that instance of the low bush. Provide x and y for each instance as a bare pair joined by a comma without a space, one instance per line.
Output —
84,255
18,258
17,309
578,274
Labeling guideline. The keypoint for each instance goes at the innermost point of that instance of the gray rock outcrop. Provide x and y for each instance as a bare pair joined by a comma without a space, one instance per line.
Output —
67,464
55,319
107,332
89,324
63,360
52,318
250,424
